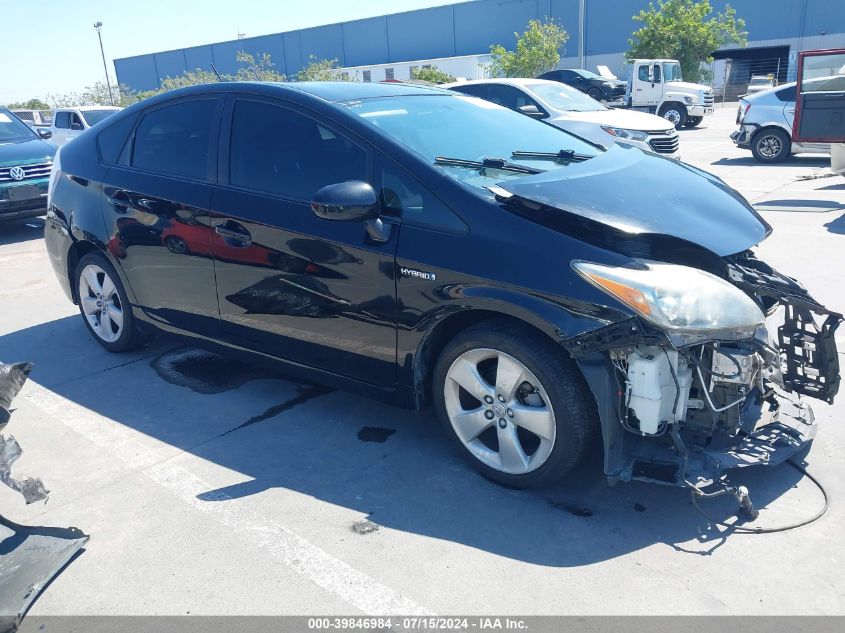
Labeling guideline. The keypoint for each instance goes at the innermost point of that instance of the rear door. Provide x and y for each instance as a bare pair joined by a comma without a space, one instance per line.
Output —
156,206
820,102
318,292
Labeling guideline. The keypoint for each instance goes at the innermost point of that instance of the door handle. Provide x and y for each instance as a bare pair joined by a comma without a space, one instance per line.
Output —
239,234
120,201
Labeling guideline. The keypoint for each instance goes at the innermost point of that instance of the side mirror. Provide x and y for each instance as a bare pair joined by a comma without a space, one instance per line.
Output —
44,133
531,110
352,201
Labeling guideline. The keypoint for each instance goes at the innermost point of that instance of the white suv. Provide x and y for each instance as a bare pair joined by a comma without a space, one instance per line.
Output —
765,126
68,123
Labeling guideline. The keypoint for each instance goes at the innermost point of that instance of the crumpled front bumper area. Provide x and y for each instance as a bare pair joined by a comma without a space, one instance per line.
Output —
685,416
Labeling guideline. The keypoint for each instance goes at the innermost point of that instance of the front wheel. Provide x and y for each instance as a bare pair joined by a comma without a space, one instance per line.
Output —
675,113
515,405
595,93
693,121
771,145
105,307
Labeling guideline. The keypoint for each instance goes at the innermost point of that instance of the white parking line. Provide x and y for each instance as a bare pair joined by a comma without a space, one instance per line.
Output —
138,451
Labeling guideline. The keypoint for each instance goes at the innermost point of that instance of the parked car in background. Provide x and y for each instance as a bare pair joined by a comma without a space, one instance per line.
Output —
35,118
759,83
570,110
765,126
419,245
598,87
26,159
68,123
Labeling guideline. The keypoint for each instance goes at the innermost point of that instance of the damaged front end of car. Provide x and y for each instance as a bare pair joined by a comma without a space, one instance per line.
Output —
710,373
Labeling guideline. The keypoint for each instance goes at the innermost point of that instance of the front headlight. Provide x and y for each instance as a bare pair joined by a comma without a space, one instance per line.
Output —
690,100
690,305
631,135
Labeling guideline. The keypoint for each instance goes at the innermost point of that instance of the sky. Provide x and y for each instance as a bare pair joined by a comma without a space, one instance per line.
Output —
51,46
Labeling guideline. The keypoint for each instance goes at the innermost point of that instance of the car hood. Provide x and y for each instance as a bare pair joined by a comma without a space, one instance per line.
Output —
640,193
629,119
32,151
686,86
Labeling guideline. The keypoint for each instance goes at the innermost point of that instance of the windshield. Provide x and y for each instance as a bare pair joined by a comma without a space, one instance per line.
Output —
13,130
672,71
561,97
92,117
466,128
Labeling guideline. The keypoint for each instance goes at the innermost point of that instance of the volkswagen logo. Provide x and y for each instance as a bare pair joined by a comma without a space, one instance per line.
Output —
17,173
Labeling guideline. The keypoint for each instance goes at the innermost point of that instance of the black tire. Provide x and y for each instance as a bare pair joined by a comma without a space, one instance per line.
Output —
771,145
693,121
574,411
675,113
130,335
595,93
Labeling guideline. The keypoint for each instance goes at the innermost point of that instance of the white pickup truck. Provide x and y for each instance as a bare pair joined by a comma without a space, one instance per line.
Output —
69,123
657,86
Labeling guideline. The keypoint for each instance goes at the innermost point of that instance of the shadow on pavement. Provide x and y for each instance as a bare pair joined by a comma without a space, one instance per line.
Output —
801,205
792,161
396,466
837,225
21,231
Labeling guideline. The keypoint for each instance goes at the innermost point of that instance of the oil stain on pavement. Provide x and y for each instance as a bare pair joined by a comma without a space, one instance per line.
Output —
206,372
305,393
377,434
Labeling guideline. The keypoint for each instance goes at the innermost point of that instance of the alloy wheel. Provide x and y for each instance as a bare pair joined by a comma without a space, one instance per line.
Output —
101,303
499,411
673,116
770,146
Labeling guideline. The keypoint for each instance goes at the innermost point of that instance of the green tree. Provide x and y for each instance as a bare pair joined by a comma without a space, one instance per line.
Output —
259,68
432,74
537,50
685,30
31,104
321,70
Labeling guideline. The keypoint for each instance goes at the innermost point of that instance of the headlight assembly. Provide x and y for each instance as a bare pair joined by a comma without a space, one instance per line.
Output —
690,305
690,100
631,135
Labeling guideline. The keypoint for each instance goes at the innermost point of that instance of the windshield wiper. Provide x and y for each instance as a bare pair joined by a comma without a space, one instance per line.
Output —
564,156
488,163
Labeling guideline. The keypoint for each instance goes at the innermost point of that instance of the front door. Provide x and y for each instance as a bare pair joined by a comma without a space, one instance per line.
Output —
156,208
648,90
820,102
317,292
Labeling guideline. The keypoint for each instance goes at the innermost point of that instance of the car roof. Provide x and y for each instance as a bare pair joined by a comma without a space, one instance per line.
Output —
353,90
506,81
88,108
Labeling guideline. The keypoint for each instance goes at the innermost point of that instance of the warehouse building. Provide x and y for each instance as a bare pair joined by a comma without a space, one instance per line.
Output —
457,38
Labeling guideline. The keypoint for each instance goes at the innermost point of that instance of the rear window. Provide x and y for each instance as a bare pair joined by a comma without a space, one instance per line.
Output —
112,139
787,94
175,140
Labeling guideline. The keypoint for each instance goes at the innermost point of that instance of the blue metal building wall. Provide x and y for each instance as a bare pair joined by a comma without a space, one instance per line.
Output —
465,29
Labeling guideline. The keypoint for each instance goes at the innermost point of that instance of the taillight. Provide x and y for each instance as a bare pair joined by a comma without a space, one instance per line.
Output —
743,113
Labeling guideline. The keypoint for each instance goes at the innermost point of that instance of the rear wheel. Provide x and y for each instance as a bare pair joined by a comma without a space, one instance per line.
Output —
693,121
519,410
104,306
675,113
771,145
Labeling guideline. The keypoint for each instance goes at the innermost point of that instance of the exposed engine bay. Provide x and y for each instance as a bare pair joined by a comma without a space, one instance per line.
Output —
690,409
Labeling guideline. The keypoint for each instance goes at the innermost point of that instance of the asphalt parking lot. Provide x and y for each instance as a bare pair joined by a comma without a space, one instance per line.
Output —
212,487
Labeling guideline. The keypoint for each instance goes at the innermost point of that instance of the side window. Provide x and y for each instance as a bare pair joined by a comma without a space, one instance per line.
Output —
787,94
474,90
657,73
642,73
401,195
510,97
112,139
175,139
76,122
566,75
279,151
63,120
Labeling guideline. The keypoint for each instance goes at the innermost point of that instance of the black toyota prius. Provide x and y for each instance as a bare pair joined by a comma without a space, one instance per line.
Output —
419,245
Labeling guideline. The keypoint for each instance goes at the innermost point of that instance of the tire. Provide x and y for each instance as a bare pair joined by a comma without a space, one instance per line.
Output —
693,121
176,245
101,299
595,93
771,145
557,403
674,113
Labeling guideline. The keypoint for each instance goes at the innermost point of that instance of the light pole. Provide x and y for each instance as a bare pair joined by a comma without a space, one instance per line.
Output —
98,26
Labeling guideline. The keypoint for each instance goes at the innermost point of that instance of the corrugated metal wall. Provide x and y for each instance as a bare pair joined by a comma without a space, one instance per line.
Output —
468,28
